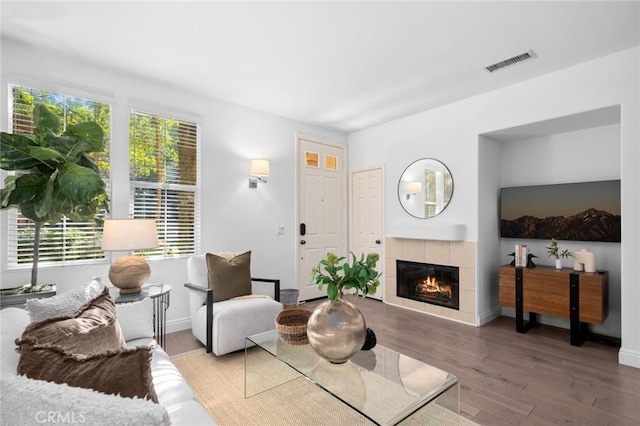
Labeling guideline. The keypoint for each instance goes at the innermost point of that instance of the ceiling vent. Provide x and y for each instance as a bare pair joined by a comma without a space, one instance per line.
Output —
512,61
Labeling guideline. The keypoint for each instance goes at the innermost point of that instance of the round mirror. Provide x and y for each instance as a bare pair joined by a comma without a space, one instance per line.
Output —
425,188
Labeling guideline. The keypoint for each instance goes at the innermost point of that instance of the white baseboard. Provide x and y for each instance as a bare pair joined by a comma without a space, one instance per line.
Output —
630,358
178,325
488,316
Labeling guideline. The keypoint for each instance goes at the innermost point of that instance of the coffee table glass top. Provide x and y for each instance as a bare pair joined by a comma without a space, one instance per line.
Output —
381,384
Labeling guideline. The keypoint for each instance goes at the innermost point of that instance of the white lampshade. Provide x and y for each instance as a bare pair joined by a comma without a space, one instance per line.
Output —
129,234
415,187
259,168
129,273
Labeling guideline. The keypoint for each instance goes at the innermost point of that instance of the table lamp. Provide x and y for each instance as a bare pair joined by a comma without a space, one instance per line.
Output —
129,273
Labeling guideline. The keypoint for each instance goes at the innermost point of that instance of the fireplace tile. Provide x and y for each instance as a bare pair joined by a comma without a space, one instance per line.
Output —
438,252
463,254
414,250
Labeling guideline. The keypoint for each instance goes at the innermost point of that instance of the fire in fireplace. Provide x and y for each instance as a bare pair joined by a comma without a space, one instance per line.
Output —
429,283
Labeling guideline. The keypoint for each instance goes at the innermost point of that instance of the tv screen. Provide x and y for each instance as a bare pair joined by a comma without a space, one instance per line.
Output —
586,211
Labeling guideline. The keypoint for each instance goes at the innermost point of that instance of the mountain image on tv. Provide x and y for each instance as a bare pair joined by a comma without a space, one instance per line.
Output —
586,211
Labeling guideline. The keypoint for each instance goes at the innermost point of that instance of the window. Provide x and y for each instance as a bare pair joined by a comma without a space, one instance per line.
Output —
65,242
164,180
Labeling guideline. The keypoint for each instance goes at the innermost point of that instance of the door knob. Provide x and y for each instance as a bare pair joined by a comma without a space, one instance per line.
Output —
377,241
303,242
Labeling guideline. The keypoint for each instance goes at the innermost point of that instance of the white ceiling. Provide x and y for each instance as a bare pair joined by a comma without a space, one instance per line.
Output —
340,65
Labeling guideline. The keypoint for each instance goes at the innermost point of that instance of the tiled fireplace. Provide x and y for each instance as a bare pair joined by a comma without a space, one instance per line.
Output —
438,277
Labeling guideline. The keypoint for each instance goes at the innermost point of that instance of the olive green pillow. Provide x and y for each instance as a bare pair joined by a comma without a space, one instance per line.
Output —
229,276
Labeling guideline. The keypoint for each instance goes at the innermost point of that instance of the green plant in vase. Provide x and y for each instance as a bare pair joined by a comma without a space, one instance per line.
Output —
336,329
53,176
553,251
359,275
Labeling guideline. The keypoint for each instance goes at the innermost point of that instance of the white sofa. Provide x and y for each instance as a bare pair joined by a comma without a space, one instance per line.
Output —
174,394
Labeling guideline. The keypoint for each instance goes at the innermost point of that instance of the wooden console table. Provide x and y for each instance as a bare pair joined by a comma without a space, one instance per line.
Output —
581,297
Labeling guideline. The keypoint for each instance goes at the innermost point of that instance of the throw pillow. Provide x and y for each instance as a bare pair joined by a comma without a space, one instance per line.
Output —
136,319
119,372
93,329
30,402
229,277
64,304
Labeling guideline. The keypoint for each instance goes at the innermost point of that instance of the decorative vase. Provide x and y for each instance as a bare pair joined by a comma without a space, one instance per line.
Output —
558,263
336,330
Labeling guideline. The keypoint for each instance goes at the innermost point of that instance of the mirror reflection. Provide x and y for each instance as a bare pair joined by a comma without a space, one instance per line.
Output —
425,188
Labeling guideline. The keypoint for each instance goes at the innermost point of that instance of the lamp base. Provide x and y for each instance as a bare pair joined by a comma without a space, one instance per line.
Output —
129,273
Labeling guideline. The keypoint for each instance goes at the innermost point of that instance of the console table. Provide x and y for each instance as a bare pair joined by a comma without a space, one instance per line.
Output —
581,297
159,294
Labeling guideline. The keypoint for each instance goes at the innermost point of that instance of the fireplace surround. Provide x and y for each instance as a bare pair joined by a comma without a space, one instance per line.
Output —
461,254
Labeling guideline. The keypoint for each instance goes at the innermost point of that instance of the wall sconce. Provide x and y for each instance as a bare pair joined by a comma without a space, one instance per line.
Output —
260,171
414,188
129,273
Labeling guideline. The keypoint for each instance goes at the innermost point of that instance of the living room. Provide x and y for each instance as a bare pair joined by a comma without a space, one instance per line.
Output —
462,133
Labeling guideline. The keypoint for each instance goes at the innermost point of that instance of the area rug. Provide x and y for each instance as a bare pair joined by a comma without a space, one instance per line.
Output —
218,383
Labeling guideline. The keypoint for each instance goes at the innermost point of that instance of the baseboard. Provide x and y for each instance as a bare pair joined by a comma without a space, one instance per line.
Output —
489,316
178,325
630,358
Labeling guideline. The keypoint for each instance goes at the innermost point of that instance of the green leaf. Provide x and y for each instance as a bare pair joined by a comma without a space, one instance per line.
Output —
80,183
90,132
15,152
45,154
44,120
70,147
44,201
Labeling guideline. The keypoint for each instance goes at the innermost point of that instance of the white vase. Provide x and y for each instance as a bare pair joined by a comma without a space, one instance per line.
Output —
558,263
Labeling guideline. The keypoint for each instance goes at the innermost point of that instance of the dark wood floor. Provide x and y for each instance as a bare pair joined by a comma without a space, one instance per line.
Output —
506,378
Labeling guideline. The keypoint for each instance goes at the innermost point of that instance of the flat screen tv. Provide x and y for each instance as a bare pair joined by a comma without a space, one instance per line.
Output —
585,211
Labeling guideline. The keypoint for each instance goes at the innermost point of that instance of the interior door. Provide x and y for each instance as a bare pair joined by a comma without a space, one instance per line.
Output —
321,208
366,218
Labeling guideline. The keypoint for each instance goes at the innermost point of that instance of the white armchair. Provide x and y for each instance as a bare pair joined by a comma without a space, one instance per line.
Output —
223,326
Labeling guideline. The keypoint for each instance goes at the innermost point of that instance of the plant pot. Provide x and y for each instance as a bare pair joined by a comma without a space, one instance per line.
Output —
558,263
336,330
20,300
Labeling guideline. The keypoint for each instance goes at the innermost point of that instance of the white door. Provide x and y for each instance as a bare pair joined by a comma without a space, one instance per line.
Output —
321,208
366,218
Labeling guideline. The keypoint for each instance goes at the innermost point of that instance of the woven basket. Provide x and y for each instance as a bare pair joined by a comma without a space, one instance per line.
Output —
291,325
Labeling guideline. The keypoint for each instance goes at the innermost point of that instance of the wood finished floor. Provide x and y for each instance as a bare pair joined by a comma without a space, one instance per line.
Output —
506,378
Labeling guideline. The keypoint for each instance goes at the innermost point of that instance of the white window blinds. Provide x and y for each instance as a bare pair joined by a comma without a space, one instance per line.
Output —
164,180
65,242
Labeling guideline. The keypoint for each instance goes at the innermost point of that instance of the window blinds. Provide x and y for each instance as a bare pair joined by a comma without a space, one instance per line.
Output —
164,162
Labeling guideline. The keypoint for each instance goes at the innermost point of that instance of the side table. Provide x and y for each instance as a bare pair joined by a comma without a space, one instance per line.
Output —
160,295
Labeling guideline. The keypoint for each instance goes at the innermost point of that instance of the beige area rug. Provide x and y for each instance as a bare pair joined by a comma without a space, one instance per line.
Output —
218,383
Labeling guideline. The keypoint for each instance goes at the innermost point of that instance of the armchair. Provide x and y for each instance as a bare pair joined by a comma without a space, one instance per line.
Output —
223,326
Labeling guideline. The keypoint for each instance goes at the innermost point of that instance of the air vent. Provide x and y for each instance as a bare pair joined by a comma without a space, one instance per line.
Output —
512,61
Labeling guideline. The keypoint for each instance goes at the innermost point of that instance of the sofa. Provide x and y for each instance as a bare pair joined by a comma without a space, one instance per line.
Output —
28,401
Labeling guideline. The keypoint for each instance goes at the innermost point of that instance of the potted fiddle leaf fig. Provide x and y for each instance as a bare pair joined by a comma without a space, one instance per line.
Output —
53,176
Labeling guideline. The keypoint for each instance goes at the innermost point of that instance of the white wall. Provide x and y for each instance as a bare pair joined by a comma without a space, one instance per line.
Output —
579,156
234,217
451,134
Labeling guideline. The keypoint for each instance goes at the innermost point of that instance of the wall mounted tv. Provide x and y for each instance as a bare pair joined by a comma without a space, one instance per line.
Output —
585,211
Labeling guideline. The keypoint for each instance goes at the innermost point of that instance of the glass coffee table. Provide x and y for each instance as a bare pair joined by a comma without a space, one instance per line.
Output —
385,386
